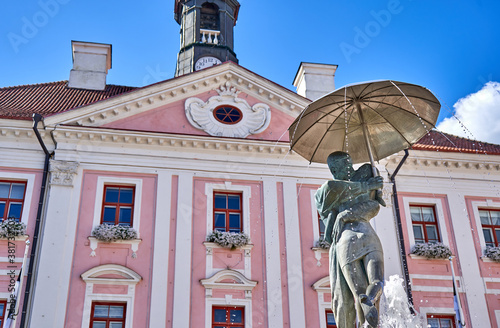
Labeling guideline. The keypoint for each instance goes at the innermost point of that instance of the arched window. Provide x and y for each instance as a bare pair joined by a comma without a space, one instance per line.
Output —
209,17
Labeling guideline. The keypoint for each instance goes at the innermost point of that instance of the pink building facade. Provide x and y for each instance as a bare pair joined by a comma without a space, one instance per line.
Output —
208,151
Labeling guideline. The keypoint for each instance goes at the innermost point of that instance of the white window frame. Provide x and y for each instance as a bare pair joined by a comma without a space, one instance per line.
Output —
487,204
28,195
243,284
314,216
321,287
91,278
101,182
424,311
246,194
427,201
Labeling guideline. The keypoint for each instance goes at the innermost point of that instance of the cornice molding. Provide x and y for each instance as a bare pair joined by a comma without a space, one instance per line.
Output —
435,160
119,138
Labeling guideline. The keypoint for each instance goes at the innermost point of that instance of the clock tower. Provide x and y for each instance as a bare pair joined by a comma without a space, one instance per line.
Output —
206,33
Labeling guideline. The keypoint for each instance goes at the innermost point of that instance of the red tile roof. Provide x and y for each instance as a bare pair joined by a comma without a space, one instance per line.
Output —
440,141
20,102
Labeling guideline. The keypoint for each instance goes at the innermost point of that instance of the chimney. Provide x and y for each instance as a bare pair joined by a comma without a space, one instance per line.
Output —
91,62
314,80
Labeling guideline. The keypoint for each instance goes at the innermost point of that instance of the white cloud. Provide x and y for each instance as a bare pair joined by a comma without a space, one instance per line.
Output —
480,114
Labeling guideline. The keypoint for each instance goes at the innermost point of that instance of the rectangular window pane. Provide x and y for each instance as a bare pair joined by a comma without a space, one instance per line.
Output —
415,214
101,311
330,320
116,311
220,220
234,221
495,217
418,233
109,214
126,195
125,215
17,191
446,323
98,324
4,190
321,228
236,316
485,217
2,306
432,233
15,210
111,195
220,315
116,325
497,232
488,237
428,214
433,323
233,202
220,201
2,209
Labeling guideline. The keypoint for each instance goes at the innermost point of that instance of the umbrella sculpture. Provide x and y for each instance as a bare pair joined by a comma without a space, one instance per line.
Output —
358,123
370,121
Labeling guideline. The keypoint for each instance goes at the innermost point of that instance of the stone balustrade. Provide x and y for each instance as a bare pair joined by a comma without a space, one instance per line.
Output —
209,36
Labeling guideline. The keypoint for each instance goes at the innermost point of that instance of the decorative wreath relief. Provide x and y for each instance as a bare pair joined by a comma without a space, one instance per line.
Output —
322,243
492,253
12,228
233,116
432,250
230,240
108,232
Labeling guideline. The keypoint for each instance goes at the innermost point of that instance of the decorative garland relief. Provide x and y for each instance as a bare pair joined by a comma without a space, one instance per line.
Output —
255,119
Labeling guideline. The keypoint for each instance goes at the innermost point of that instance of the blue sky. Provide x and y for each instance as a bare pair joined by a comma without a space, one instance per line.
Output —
450,47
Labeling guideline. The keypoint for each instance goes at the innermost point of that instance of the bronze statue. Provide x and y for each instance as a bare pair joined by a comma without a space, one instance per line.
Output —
356,257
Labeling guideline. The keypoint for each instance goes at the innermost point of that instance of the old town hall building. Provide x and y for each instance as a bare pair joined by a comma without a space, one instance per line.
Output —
127,192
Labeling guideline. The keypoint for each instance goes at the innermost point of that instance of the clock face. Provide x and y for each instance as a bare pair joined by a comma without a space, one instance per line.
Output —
205,62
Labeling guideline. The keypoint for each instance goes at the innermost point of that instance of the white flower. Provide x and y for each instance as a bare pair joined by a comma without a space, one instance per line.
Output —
108,232
322,243
493,253
228,239
12,228
432,250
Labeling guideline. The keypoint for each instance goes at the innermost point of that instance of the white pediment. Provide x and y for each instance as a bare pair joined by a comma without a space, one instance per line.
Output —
188,86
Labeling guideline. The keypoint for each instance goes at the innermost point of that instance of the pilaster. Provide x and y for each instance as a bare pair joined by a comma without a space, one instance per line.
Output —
56,246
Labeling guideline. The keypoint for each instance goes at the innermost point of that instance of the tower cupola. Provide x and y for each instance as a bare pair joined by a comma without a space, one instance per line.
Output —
206,33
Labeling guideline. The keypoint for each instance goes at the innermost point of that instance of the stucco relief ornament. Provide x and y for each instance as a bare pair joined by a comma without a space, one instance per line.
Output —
253,119
62,172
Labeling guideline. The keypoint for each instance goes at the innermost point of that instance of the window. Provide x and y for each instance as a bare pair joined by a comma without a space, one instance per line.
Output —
425,227
118,205
209,16
440,321
321,226
107,315
330,320
227,212
490,221
228,114
228,316
11,199
3,307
